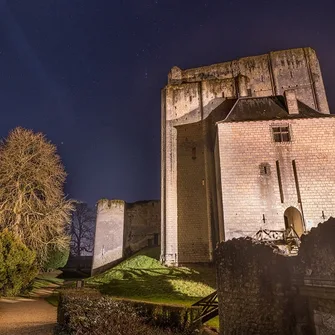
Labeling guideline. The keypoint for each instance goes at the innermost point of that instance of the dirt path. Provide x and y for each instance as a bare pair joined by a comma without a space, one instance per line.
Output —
22,316
28,316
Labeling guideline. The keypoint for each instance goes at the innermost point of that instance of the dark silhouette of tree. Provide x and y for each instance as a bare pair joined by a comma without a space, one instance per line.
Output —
32,201
82,229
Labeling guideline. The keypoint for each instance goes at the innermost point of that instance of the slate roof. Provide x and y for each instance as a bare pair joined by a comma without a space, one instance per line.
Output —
268,108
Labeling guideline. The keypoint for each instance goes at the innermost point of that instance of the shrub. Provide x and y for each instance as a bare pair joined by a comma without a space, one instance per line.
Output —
57,258
88,312
17,265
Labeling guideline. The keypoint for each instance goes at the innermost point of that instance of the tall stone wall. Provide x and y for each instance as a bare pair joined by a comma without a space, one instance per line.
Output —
109,233
317,251
317,267
122,229
263,292
193,234
264,75
142,227
191,95
247,193
254,289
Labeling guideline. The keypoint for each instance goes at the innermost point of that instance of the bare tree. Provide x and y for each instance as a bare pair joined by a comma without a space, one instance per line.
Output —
82,229
32,201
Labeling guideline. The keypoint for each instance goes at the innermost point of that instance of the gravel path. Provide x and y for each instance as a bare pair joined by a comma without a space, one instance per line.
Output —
27,316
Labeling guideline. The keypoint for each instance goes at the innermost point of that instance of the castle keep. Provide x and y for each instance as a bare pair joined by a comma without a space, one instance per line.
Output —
246,144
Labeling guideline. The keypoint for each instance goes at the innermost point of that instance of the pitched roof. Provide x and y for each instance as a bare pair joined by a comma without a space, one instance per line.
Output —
268,108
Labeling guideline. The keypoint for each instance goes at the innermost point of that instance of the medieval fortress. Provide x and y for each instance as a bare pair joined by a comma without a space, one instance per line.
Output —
246,145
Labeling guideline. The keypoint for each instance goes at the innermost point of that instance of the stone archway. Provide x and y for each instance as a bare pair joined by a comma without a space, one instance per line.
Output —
292,217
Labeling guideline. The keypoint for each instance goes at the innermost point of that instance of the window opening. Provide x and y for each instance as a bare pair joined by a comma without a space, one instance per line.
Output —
281,134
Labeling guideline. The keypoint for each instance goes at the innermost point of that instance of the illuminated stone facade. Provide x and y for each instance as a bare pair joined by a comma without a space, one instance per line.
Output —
246,144
122,229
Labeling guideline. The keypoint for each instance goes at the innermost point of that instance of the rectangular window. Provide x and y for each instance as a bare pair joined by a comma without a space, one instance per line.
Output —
281,134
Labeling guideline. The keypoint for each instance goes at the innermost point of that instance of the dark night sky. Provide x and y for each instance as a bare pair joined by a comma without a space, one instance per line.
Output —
88,73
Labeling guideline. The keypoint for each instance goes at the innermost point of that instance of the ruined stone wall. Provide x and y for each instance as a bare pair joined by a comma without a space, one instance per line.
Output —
263,292
316,261
122,229
142,226
265,75
191,95
317,251
254,289
247,193
323,315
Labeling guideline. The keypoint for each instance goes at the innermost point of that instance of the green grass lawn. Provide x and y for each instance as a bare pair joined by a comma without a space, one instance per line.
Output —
142,277
47,279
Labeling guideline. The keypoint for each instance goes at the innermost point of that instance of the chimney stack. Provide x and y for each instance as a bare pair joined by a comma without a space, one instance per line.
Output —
242,84
291,102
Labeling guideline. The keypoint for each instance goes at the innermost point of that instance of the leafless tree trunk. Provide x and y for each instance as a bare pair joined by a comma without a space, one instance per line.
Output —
82,229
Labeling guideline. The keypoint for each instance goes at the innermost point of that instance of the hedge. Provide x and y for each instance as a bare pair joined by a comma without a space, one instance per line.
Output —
86,311
166,316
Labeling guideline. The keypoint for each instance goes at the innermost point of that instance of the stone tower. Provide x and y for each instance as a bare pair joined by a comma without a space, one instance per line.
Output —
122,229
196,209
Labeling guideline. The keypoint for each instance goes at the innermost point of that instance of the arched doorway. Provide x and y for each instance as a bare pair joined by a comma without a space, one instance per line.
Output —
293,219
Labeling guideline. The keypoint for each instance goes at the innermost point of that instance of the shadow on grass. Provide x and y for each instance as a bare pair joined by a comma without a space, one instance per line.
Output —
143,277
158,284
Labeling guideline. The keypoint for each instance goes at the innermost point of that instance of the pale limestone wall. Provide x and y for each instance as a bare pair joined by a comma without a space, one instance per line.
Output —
193,241
142,224
122,229
247,194
219,191
190,96
109,233
269,74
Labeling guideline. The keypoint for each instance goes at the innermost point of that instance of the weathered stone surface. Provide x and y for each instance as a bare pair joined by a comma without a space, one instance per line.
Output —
122,229
316,265
109,230
142,225
324,323
254,289
317,251
211,186
263,292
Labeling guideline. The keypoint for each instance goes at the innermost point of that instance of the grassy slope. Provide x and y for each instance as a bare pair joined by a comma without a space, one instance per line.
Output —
142,277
